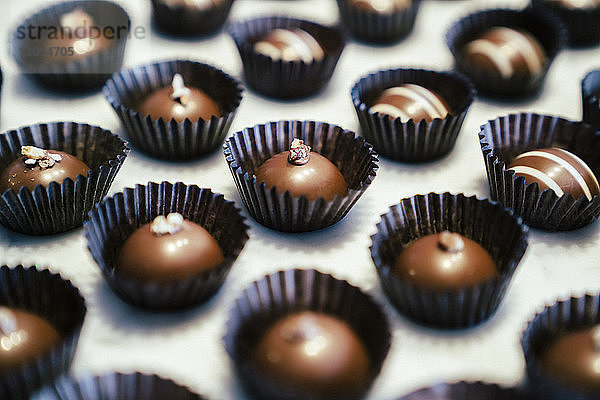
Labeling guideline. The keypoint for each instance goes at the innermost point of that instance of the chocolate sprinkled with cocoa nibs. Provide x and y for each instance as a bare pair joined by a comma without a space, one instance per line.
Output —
299,152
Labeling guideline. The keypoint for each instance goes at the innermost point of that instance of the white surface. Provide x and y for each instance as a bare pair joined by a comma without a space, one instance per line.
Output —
187,347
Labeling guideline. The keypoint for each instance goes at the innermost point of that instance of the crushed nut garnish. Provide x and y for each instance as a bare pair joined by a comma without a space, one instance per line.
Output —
451,242
168,225
40,157
299,152
180,91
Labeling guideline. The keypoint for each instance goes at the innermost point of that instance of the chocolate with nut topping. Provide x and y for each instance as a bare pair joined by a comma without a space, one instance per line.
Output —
302,172
179,102
167,249
40,167
443,261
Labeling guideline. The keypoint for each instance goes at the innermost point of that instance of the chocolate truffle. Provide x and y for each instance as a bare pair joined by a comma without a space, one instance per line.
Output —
302,172
576,4
314,353
179,102
290,45
23,338
410,101
574,359
444,261
40,167
78,31
556,169
381,6
506,51
167,249
192,4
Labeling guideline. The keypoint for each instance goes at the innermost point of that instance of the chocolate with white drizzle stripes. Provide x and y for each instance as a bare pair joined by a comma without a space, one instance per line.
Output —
410,101
507,51
557,169
290,45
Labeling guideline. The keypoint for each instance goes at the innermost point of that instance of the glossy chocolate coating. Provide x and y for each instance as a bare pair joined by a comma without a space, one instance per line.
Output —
18,174
556,169
315,353
381,6
23,337
290,45
77,35
198,105
169,257
507,52
317,178
574,359
441,262
411,101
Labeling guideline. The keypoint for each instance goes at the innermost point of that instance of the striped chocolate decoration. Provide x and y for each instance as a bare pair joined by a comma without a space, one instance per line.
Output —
290,45
557,169
507,51
410,101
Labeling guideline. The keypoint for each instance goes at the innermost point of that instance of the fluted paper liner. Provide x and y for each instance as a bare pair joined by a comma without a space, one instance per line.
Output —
62,205
377,27
286,79
182,20
117,386
548,29
265,301
581,23
506,137
487,223
548,325
58,302
83,73
590,94
412,140
171,139
466,391
247,150
117,217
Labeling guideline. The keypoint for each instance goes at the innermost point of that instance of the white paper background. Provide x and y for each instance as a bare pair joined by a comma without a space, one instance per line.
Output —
187,347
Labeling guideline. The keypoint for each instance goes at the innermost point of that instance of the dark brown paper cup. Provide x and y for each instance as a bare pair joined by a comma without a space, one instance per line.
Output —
466,391
378,27
58,302
590,94
564,316
489,224
77,74
63,205
117,386
173,140
245,151
507,137
266,301
542,25
412,141
581,23
180,20
117,217
286,79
